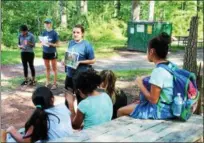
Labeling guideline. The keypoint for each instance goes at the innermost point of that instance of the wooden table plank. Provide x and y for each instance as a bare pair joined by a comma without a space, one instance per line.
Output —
126,129
160,132
97,130
122,132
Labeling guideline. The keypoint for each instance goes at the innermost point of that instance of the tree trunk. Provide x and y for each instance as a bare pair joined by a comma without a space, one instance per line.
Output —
84,7
117,8
190,56
135,10
63,15
151,10
199,76
199,85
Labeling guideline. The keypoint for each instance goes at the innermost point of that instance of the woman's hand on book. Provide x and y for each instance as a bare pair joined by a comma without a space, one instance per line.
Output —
63,63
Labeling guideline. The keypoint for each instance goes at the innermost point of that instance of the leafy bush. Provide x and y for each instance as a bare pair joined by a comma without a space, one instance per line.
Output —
64,33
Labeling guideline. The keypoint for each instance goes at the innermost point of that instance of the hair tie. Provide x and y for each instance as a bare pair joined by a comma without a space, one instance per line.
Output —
38,106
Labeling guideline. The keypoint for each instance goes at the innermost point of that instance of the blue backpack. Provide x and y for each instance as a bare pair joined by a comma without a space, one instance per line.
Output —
184,82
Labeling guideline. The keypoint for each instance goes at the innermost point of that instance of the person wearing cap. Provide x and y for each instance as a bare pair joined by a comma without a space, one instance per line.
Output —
50,51
26,43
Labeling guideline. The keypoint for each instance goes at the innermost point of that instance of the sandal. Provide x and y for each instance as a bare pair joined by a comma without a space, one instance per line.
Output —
54,86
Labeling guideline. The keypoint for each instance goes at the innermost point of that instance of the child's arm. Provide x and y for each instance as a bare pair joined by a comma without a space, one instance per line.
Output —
70,100
153,95
78,120
17,136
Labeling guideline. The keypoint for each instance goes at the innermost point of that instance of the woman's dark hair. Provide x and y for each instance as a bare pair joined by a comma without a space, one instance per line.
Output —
88,81
23,28
81,27
42,99
109,79
160,44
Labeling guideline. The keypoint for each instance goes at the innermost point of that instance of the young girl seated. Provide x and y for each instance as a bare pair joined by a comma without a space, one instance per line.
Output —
96,108
47,122
153,103
118,97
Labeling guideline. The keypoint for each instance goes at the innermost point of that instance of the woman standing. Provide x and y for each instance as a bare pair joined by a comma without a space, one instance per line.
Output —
26,42
50,51
84,52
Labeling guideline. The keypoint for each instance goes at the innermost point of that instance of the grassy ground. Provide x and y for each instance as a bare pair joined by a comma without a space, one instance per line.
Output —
12,84
175,48
103,49
132,74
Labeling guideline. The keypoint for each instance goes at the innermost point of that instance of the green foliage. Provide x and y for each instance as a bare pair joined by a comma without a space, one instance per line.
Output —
64,33
99,22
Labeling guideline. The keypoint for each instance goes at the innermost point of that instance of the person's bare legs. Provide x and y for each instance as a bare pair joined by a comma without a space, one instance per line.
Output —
3,135
47,66
125,111
54,68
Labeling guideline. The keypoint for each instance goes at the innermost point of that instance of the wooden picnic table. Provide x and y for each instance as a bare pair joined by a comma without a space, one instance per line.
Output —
127,129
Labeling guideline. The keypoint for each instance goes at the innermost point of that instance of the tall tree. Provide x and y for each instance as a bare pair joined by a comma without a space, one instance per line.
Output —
190,56
135,10
151,10
84,7
117,5
63,14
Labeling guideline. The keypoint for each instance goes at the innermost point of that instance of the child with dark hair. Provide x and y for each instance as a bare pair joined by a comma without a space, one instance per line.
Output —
119,98
47,122
161,85
96,108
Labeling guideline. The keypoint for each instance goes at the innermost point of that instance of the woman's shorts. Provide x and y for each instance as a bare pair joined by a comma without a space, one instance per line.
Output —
49,56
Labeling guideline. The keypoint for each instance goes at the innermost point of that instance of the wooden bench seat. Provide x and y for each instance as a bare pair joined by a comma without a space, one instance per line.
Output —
127,129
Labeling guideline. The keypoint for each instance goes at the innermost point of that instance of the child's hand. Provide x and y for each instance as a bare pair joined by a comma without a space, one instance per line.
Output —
11,129
139,81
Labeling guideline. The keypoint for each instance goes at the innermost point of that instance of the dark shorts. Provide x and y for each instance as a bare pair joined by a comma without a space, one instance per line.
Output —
49,56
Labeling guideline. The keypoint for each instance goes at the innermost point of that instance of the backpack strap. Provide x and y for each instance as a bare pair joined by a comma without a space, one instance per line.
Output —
166,67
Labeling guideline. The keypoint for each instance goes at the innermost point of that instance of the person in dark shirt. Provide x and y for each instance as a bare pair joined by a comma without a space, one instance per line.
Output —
50,51
26,42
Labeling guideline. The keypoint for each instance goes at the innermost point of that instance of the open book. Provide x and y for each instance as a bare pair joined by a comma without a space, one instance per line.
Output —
71,59
44,40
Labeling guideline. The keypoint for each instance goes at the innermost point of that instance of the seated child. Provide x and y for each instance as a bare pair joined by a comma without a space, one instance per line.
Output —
96,108
153,100
47,122
119,98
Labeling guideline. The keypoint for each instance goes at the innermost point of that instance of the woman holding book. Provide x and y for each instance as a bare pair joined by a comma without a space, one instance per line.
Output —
82,56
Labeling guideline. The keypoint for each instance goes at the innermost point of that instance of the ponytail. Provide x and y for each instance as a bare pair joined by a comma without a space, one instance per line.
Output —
38,120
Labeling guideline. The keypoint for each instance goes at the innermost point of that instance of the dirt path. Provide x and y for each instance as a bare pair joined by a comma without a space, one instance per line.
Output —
127,60
17,105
